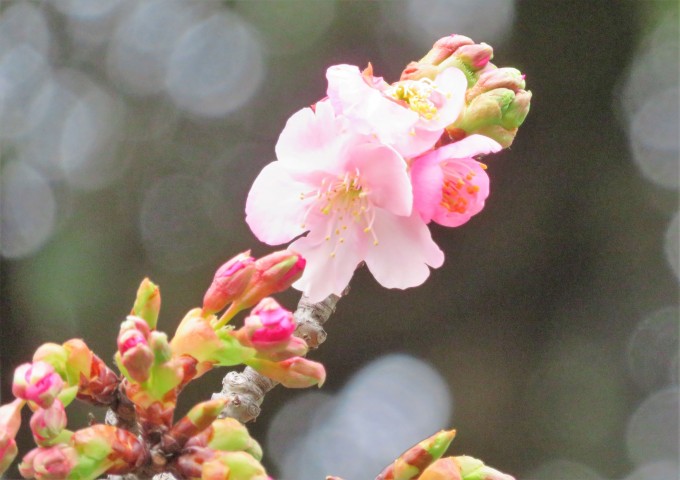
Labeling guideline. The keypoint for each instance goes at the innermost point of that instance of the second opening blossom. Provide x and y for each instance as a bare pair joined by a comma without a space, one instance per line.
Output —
354,197
449,185
37,382
409,115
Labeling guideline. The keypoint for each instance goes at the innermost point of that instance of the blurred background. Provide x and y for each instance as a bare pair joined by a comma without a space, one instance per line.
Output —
131,131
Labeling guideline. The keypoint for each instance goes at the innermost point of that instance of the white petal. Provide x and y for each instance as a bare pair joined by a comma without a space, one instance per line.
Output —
274,210
404,251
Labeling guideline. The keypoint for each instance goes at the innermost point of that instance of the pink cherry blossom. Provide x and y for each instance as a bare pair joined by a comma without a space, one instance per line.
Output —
354,197
37,382
409,115
449,185
271,323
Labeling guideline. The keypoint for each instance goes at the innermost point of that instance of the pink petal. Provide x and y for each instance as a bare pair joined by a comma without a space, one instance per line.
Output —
311,138
403,254
384,175
274,210
427,179
469,147
326,274
452,84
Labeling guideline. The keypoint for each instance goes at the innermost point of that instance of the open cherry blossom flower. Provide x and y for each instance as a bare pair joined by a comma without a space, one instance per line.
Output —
409,115
352,194
449,185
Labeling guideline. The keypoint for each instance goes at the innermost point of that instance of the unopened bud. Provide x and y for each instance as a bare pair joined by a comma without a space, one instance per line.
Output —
474,469
295,372
49,463
47,423
10,421
37,382
54,354
134,352
505,77
275,273
233,465
442,469
148,303
269,323
414,460
230,281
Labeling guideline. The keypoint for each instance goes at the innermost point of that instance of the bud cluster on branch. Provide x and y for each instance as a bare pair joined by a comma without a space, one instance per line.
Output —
359,176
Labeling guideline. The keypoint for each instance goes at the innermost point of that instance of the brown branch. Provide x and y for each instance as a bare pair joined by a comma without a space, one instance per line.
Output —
246,390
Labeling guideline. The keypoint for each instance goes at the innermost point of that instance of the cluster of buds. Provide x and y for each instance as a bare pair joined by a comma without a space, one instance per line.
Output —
496,102
424,461
153,372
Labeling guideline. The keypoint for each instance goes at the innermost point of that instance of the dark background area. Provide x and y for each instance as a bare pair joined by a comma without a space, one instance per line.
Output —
554,318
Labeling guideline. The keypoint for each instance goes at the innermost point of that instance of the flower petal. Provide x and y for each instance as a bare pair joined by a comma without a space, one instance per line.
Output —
452,85
383,175
403,254
326,274
311,138
469,147
427,179
274,210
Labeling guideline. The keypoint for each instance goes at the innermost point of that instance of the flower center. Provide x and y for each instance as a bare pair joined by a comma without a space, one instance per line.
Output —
345,201
417,95
458,188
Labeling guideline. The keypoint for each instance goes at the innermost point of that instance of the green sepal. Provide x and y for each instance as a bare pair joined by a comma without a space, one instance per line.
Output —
68,394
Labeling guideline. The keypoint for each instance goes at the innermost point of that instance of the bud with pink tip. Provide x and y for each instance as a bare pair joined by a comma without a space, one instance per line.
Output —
51,463
10,421
295,372
269,323
230,281
134,351
275,273
48,423
37,382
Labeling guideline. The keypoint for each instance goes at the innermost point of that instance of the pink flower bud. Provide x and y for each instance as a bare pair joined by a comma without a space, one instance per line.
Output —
47,423
230,281
295,372
274,273
53,463
273,323
37,382
133,347
10,421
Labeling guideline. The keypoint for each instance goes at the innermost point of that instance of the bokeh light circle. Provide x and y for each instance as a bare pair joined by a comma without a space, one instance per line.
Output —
652,432
385,408
138,52
654,138
424,21
653,348
28,210
216,66
562,469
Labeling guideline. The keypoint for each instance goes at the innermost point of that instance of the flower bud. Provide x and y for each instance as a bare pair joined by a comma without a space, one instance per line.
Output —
148,303
414,460
274,273
52,463
442,469
37,382
473,469
133,348
269,323
54,354
10,421
494,107
195,421
453,51
47,423
295,372
230,281
234,466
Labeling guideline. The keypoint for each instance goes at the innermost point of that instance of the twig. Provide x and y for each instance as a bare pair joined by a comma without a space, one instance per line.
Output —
246,390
